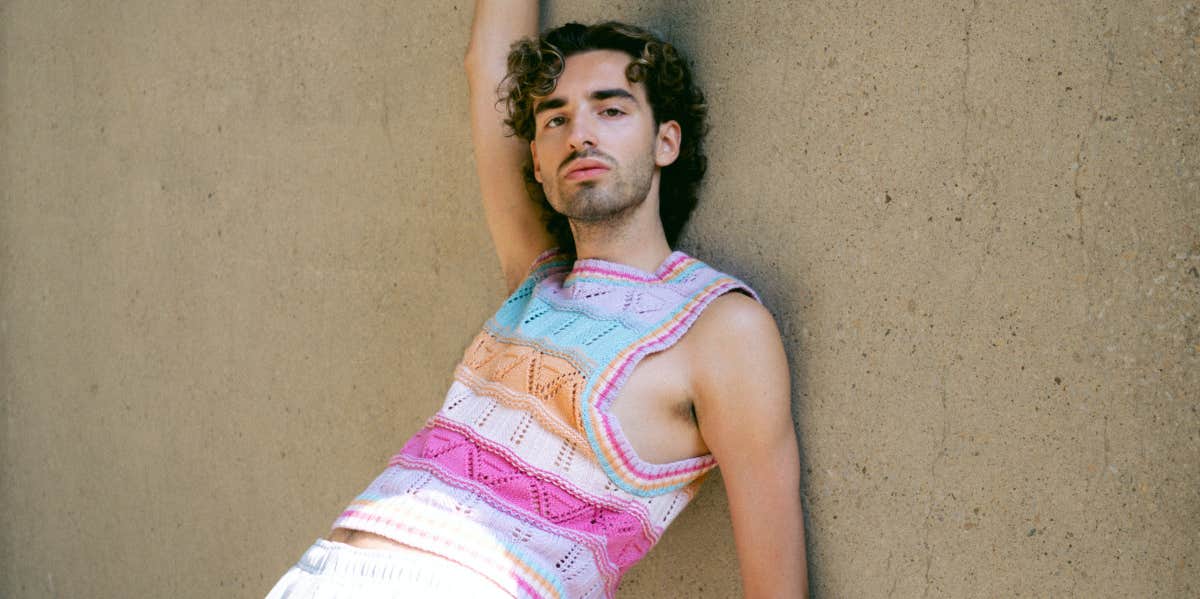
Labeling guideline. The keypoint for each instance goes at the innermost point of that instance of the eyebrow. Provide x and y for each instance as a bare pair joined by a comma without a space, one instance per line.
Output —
598,95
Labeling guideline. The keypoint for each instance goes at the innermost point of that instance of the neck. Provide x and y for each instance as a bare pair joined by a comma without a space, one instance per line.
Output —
635,238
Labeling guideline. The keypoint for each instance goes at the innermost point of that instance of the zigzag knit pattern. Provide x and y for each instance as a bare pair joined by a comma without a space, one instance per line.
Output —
523,474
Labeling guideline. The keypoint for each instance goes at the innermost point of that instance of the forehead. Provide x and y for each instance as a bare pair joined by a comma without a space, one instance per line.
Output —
595,69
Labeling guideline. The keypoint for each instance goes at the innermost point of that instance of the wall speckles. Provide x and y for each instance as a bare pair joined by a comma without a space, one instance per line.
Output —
228,230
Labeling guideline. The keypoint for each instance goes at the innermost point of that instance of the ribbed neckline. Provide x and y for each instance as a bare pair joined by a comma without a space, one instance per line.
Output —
598,268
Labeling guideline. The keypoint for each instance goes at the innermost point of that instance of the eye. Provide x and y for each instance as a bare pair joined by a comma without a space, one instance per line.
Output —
610,111
554,122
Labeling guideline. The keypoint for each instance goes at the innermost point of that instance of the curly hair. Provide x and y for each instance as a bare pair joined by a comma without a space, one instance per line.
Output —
534,66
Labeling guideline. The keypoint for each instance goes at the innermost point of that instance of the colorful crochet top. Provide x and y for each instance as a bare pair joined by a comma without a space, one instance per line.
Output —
523,475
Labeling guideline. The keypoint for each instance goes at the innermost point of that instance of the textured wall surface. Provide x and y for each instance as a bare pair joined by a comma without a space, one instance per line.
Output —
241,250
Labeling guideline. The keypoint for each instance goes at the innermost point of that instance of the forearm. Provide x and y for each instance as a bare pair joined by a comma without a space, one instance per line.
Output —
770,540
780,569
496,25
494,28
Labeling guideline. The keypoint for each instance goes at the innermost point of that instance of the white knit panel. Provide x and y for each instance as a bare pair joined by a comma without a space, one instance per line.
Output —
521,433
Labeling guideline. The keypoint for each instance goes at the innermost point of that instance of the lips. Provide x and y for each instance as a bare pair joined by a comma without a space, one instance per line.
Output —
585,169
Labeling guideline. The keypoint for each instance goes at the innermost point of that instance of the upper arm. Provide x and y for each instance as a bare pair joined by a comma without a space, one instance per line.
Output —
513,218
743,404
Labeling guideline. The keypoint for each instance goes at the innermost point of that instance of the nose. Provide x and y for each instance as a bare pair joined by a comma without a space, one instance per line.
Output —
582,131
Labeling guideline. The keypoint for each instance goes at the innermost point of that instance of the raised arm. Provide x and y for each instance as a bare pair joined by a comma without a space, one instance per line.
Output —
513,219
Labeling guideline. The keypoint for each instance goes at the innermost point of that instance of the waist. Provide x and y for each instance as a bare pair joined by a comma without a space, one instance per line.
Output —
369,540
525,553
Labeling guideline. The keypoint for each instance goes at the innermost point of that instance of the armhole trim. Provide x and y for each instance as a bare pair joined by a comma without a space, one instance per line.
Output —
616,455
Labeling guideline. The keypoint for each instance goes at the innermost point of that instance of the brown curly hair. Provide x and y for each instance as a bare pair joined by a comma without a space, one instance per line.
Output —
534,65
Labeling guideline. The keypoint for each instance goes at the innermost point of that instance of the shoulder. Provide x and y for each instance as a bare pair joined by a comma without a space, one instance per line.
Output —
734,315
734,339
740,383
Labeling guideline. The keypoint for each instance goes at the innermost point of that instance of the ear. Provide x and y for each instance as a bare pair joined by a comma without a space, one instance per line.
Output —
537,170
666,146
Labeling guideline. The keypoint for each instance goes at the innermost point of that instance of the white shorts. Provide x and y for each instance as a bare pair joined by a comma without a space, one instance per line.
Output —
330,570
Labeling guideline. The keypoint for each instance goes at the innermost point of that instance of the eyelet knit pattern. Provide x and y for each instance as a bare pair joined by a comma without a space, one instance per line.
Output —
523,474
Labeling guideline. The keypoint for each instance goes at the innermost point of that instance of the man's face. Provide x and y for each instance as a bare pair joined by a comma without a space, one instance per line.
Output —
596,148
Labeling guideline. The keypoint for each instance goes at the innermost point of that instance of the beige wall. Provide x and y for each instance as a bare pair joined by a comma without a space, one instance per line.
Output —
241,250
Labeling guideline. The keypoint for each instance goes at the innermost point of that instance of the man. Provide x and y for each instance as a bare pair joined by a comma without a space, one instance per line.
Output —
582,418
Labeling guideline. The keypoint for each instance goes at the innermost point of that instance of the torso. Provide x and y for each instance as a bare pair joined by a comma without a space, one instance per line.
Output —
654,409
655,412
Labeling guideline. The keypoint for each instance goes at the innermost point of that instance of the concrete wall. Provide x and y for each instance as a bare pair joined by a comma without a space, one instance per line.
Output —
241,250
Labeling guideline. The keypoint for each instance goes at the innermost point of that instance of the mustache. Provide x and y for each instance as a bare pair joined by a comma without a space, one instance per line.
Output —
592,154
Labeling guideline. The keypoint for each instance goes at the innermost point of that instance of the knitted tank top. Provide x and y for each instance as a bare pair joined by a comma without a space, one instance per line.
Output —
523,475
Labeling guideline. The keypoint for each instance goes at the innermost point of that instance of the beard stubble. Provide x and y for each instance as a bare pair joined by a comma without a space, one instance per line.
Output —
608,198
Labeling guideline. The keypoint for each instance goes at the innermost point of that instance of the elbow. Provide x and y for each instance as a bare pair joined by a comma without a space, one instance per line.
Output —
477,62
477,69
472,57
